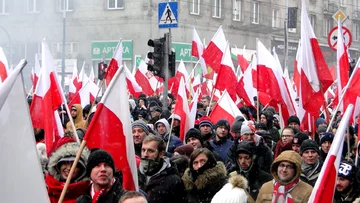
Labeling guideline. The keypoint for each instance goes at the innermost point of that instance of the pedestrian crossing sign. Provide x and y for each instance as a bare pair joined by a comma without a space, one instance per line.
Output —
168,15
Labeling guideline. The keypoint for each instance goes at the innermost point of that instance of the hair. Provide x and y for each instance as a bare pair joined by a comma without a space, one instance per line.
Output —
130,194
289,128
161,143
199,151
181,162
207,97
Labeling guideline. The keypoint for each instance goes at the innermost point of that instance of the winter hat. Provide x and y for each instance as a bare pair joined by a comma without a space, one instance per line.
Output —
321,129
232,192
222,122
157,108
96,157
193,132
309,144
299,138
247,128
320,121
141,124
247,147
260,126
347,170
184,150
327,136
236,126
205,120
293,119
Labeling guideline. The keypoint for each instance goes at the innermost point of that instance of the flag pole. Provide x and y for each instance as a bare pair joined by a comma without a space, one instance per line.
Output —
171,127
82,146
212,95
257,85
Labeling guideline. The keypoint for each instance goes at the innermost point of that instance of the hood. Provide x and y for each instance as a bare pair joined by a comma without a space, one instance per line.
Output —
289,156
165,122
79,116
67,151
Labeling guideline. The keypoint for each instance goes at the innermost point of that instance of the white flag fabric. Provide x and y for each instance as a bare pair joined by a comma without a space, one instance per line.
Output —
21,172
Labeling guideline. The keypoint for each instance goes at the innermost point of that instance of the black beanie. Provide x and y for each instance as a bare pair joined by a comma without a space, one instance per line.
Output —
96,157
293,119
222,122
193,132
309,144
236,126
299,138
327,136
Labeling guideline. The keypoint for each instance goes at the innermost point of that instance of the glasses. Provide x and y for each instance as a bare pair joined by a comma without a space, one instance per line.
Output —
286,166
287,136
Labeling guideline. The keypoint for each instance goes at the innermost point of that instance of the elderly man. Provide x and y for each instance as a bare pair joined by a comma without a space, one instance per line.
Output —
286,186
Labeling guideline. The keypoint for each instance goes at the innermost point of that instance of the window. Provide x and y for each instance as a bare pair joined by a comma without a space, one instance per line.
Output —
70,47
292,30
115,4
357,32
312,20
275,18
66,5
237,10
32,6
217,9
342,3
195,8
255,13
327,27
3,7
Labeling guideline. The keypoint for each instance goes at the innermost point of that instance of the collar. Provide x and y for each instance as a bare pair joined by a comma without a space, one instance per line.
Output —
92,189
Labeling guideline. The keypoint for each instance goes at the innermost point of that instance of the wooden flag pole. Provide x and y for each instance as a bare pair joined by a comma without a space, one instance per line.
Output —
171,127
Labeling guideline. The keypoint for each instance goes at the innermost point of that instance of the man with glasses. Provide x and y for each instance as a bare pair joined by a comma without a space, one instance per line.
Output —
286,186
285,143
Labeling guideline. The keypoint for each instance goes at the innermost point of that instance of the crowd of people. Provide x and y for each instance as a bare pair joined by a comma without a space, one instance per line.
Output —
239,162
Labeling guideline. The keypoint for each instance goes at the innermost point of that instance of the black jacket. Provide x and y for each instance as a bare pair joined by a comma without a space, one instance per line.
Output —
206,185
163,187
112,196
311,179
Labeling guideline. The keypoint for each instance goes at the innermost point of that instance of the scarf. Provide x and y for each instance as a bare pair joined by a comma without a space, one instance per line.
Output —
309,169
280,147
96,195
282,194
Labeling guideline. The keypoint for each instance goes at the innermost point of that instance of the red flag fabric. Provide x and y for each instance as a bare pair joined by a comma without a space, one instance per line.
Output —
74,87
46,99
214,51
243,63
115,63
175,81
245,87
297,70
197,50
4,67
182,110
325,185
110,129
146,79
333,72
36,72
133,87
226,76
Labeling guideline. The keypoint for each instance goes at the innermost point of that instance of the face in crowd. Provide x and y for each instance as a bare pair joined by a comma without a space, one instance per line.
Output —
287,136
138,135
286,171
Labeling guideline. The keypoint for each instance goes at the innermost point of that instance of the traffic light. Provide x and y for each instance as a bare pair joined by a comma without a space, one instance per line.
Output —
172,63
101,70
156,58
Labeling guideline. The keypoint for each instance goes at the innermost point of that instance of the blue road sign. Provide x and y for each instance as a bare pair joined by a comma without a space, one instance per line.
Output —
168,14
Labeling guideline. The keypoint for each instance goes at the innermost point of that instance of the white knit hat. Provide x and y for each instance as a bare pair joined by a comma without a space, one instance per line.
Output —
232,192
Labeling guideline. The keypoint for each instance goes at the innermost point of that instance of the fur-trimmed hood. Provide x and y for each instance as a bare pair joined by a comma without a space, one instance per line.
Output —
210,177
68,151
238,181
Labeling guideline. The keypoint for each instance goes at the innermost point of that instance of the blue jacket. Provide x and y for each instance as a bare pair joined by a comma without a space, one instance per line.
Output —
222,147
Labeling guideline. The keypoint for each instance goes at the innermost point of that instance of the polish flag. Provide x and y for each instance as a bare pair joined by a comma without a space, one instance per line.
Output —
353,88
133,87
214,51
145,79
36,73
297,70
243,63
182,109
333,72
83,78
225,109
74,87
226,76
175,81
87,94
4,67
245,87
325,185
115,63
46,99
193,106
196,84
92,75
315,77
197,50
110,129
342,68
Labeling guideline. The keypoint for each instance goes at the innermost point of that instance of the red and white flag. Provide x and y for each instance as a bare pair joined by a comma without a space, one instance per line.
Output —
325,185
245,87
174,82
46,99
315,77
133,87
110,129
226,78
225,109
297,69
243,63
146,80
92,74
74,87
193,106
36,72
214,51
342,68
4,67
115,63
182,110
197,50
82,78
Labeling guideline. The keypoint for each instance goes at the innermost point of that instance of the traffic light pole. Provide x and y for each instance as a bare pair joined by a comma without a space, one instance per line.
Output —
166,69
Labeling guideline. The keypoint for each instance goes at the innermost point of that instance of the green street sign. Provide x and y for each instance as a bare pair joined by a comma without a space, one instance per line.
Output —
98,48
183,51
138,60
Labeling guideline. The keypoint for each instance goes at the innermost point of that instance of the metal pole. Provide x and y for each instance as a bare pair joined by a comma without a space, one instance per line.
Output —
286,33
166,69
63,48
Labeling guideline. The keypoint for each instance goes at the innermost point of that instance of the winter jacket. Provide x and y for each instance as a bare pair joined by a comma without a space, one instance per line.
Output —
174,141
222,147
78,121
302,190
206,185
313,176
351,197
111,196
163,187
